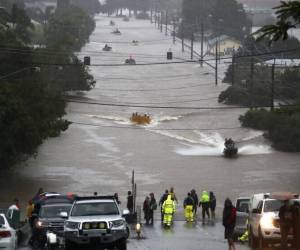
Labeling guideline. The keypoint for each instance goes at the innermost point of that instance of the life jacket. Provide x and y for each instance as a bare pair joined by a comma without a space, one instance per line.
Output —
204,197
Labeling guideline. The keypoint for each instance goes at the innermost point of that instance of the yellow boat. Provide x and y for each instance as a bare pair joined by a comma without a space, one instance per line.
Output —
140,119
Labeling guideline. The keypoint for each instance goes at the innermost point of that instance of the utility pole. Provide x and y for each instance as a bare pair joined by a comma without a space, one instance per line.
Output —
166,28
216,66
174,32
202,41
272,85
161,21
233,69
251,76
192,46
151,13
182,37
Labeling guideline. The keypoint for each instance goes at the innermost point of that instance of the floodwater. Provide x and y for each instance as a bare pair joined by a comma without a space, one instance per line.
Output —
182,147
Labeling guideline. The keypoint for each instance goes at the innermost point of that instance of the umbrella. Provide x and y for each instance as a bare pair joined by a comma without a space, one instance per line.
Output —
284,196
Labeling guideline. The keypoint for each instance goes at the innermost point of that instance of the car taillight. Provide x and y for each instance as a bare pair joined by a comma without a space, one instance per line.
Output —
5,234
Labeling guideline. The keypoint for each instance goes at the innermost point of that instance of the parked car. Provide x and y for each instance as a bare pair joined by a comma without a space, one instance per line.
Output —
242,206
264,227
96,221
49,219
8,235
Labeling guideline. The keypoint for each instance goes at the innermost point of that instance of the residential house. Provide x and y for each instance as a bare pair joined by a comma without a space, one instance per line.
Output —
226,45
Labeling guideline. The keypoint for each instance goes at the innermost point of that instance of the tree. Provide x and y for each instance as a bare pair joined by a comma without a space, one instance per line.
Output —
288,17
220,16
21,23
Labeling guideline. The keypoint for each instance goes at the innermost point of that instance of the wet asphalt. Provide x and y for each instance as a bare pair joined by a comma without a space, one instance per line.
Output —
181,236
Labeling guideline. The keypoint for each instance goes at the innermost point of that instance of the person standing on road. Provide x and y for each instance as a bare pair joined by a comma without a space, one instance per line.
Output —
212,204
153,206
116,196
286,223
130,202
204,202
194,195
146,209
188,205
168,208
296,224
161,202
14,214
229,219
29,210
173,195
37,198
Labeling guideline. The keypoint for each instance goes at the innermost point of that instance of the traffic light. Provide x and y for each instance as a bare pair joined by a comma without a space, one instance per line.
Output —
87,61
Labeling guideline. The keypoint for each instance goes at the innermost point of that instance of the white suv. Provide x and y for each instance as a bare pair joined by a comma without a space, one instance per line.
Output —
96,221
264,224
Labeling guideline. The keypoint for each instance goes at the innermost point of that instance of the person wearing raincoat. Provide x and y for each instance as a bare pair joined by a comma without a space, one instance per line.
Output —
168,209
205,203
188,205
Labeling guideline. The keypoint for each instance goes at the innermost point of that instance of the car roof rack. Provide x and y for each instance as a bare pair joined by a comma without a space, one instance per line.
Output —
104,197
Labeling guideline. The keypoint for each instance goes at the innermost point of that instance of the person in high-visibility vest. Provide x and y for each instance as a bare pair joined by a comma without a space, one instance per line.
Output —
188,205
205,202
168,208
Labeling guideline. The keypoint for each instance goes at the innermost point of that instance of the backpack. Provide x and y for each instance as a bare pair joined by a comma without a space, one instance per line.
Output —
232,218
154,205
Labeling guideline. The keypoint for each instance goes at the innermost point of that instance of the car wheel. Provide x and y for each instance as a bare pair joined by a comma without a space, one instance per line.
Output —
69,245
122,244
51,246
261,241
127,232
36,244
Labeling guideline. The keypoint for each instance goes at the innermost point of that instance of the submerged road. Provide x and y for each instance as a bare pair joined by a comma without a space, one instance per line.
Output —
180,148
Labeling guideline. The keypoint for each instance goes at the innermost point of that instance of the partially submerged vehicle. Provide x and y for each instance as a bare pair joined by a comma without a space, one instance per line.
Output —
140,118
117,32
230,149
107,48
130,61
135,42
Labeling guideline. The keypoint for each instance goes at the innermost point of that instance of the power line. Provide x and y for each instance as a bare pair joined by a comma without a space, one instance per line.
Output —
169,107
149,90
180,62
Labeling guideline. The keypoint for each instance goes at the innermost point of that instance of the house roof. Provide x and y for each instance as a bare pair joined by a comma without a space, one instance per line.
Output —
284,62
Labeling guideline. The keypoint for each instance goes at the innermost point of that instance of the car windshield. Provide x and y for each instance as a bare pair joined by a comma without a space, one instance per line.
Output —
95,208
242,205
54,211
273,205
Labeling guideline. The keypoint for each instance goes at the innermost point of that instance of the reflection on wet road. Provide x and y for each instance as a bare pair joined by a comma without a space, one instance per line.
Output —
180,237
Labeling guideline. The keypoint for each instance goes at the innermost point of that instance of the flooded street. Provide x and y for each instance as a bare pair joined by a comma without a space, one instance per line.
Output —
182,147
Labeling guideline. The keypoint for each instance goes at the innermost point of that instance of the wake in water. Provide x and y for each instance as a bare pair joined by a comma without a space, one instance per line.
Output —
155,120
213,145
